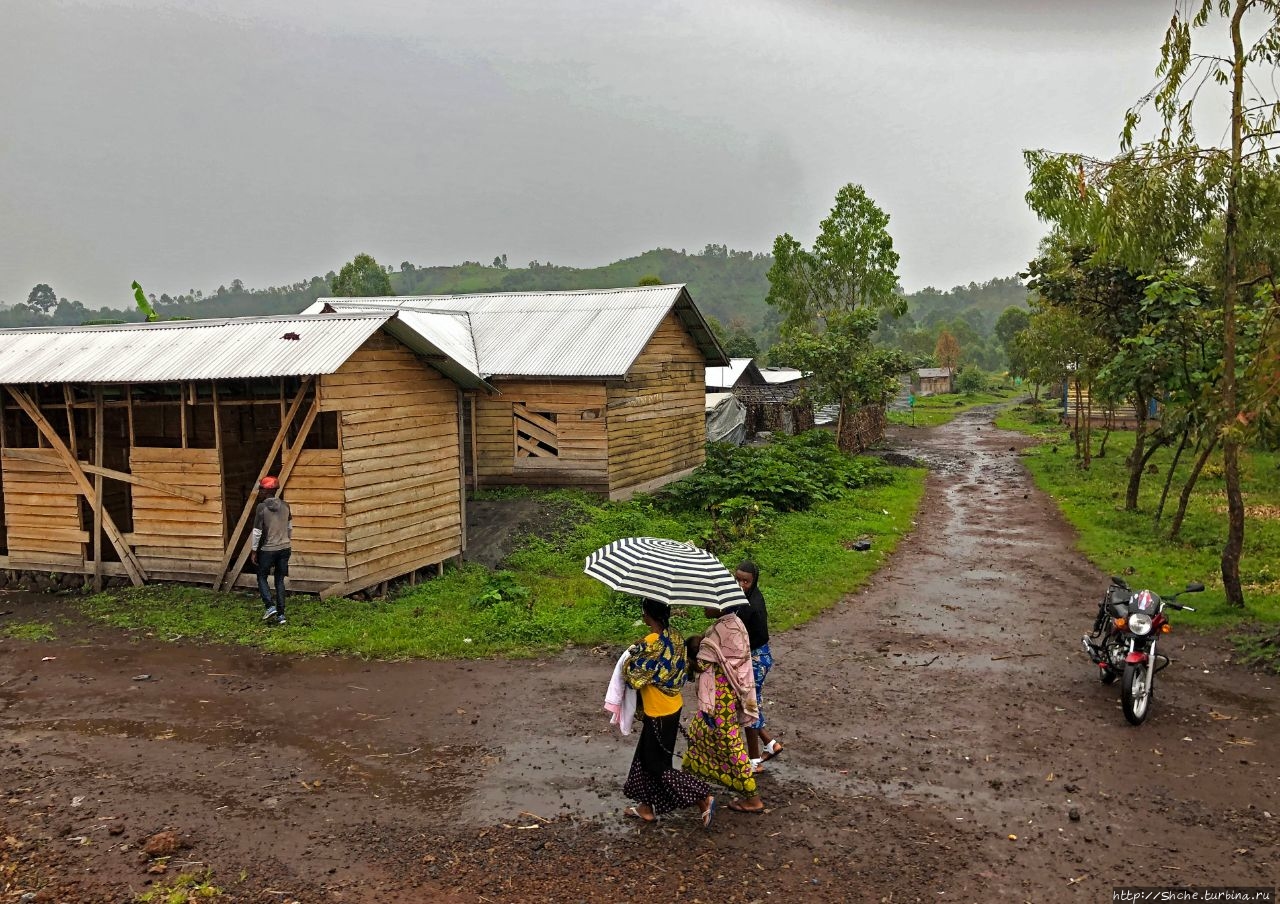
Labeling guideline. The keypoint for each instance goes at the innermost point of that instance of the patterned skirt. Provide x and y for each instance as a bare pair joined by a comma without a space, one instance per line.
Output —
652,781
716,748
761,663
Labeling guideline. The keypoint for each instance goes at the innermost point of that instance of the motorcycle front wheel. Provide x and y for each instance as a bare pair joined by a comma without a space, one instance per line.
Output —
1135,692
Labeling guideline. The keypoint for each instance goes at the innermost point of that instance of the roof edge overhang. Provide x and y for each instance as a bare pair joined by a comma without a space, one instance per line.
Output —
435,356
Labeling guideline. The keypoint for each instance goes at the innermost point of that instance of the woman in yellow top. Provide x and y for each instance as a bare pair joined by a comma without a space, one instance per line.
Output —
657,669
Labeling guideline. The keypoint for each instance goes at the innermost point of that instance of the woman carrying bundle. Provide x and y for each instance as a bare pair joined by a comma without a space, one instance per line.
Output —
657,669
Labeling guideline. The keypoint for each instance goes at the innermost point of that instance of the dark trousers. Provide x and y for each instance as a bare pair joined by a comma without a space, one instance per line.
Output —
278,559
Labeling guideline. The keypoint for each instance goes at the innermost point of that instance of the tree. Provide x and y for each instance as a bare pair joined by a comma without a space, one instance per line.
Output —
947,350
1151,205
144,305
831,297
650,280
363,277
42,298
844,366
852,265
1011,322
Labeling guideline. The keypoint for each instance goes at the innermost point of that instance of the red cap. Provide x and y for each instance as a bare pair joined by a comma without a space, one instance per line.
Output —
268,483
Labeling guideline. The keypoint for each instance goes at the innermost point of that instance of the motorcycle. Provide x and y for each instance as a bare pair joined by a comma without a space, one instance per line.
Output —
1123,642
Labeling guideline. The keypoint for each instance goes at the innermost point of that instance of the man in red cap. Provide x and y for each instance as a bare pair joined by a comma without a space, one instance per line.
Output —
272,534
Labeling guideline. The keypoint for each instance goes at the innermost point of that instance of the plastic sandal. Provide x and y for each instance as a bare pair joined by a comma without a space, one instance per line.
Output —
708,813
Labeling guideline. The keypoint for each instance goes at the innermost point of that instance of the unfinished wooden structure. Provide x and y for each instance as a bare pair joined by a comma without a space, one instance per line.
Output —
134,450
601,390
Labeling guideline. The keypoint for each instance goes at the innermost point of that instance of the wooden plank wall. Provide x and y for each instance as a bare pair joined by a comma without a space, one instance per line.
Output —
402,491
657,422
1124,414
176,538
579,409
42,514
315,494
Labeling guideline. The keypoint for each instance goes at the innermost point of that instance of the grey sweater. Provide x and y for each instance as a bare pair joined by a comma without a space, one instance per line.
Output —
272,525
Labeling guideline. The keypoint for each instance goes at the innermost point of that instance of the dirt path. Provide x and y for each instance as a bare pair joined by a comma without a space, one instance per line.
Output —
921,736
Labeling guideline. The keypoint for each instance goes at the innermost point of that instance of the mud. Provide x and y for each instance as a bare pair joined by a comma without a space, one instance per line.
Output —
941,728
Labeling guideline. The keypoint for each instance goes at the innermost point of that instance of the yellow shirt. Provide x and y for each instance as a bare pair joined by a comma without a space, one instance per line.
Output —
663,662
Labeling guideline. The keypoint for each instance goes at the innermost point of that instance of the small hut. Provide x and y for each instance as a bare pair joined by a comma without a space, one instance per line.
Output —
778,404
601,390
133,450
935,381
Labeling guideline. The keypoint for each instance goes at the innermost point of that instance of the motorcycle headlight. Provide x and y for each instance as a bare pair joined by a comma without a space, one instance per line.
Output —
1139,623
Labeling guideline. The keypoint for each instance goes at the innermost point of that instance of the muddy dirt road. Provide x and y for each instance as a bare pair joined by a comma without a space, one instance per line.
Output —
928,720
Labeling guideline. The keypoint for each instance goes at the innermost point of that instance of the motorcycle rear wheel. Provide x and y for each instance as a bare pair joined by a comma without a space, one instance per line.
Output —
1135,695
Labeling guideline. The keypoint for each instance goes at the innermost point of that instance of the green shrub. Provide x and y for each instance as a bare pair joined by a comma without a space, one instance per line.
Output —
790,474
971,379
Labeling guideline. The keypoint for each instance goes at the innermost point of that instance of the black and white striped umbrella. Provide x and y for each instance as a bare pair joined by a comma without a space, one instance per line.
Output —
675,573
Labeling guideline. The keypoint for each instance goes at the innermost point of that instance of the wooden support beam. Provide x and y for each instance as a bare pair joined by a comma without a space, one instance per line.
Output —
71,417
134,568
97,492
462,470
233,541
182,492
129,400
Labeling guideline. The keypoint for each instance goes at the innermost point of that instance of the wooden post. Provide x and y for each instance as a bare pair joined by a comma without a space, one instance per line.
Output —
69,400
129,401
4,416
217,445
97,490
475,451
131,564
182,412
234,538
462,474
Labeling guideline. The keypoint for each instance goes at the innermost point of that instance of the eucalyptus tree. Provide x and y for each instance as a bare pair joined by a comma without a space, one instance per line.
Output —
1151,206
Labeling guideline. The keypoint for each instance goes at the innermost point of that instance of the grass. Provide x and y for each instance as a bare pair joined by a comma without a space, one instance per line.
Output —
1127,543
934,410
33,631
543,602
186,888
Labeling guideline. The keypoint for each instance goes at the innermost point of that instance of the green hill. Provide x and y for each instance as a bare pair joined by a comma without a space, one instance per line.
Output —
728,285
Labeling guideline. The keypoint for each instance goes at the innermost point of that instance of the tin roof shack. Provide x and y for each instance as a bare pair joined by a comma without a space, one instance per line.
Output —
935,381
778,405
602,390
133,450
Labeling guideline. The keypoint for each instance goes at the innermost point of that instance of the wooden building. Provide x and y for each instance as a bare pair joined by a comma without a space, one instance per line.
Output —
134,450
934,381
1076,398
602,390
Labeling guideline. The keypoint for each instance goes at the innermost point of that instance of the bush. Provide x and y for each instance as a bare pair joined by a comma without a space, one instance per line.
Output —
971,379
790,474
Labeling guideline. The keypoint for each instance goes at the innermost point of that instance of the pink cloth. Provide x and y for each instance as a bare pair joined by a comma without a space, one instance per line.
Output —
727,644
619,699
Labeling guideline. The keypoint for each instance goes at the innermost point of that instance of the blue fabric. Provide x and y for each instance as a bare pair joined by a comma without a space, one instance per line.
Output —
761,662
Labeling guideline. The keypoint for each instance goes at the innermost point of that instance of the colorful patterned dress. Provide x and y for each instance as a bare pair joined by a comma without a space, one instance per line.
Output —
717,751
658,670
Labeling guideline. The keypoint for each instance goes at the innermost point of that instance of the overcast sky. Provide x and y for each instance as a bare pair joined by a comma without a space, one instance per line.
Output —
187,143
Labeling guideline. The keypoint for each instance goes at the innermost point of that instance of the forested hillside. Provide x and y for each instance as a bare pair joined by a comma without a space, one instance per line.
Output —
730,286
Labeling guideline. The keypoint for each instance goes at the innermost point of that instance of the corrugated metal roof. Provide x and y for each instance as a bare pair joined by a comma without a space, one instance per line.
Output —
241,347
934,372
725,377
593,333
774,375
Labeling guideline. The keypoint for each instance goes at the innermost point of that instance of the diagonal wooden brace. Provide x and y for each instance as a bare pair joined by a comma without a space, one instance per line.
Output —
132,566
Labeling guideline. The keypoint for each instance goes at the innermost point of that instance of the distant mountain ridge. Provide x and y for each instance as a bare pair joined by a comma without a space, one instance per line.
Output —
729,285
